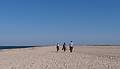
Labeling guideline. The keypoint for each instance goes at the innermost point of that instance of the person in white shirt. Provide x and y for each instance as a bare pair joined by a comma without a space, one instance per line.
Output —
57,46
71,46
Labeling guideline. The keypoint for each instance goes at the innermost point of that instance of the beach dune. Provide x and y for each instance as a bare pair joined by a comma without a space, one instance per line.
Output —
83,57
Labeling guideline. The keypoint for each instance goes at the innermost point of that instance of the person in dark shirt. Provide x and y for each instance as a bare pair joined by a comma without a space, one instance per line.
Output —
64,47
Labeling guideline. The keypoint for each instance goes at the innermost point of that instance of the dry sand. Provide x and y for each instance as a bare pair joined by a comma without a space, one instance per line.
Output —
85,57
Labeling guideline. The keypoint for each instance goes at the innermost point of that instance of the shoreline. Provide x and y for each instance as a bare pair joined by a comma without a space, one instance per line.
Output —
19,47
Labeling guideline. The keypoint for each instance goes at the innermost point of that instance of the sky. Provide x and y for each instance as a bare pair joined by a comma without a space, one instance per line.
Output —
35,22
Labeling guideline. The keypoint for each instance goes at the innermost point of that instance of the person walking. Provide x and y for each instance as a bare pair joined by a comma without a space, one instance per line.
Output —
57,46
71,46
64,47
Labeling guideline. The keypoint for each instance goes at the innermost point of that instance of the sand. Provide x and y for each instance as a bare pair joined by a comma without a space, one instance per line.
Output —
83,57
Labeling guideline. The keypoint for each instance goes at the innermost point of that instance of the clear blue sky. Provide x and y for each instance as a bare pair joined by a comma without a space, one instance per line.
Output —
29,22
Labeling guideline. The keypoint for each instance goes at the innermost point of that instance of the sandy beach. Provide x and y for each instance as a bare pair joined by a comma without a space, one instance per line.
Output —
83,57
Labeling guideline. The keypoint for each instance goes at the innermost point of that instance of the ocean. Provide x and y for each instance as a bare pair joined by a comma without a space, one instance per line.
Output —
14,47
